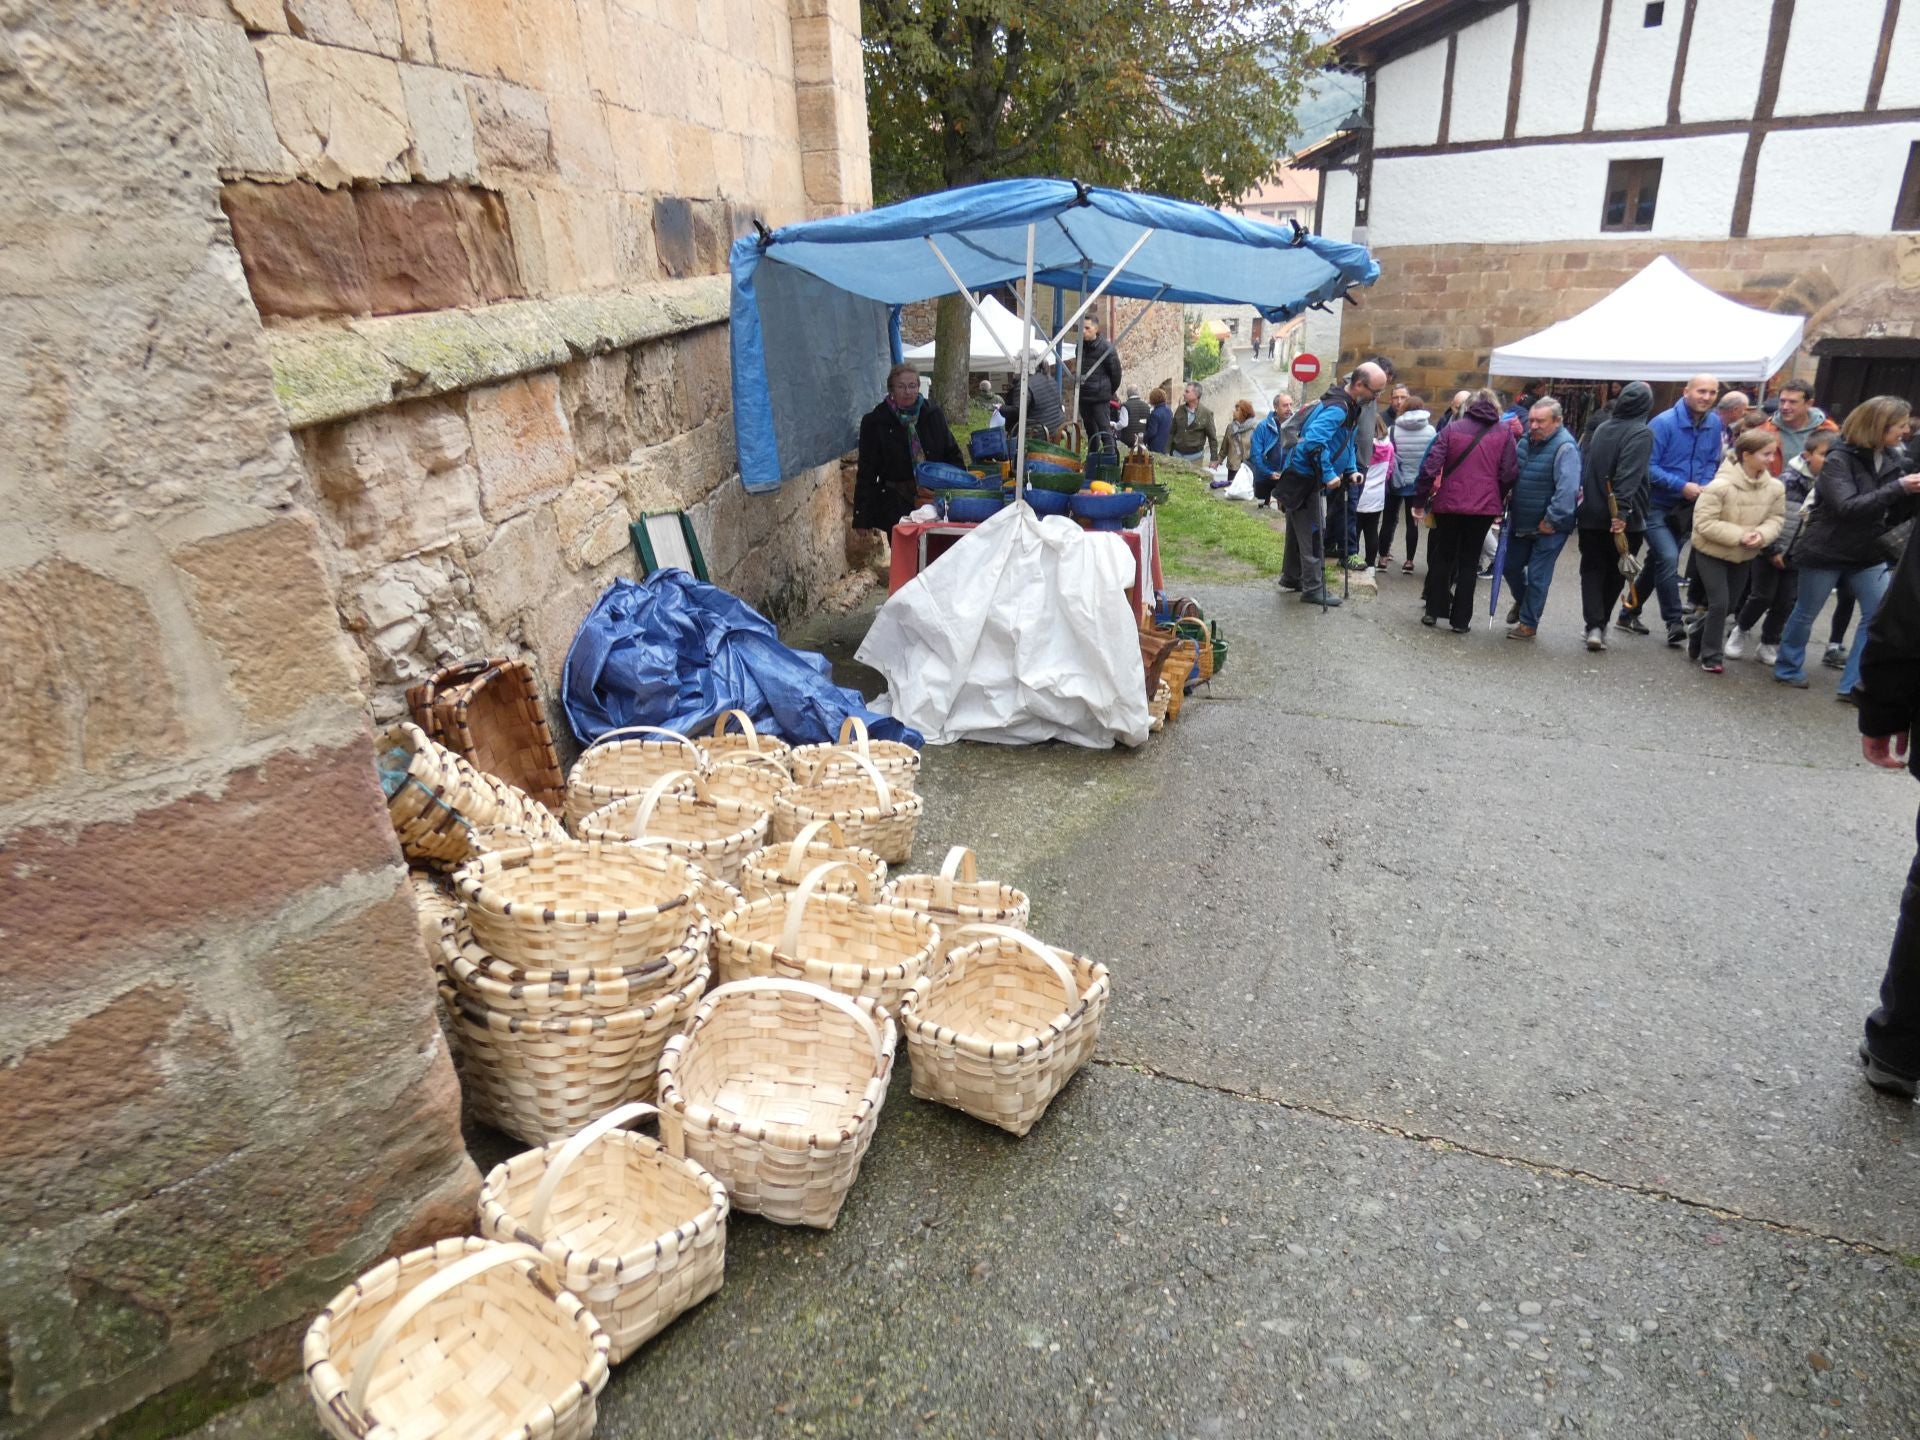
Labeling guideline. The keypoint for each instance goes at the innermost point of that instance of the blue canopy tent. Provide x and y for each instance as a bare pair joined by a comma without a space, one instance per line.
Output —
816,306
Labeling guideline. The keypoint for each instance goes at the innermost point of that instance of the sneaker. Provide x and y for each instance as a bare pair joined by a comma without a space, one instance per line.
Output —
1631,623
1847,697
1331,601
1676,636
1406,567
1713,667
1596,638
1354,562
1887,1082
1521,632
1835,658
1736,645
1381,568
1386,559
1767,654
1486,574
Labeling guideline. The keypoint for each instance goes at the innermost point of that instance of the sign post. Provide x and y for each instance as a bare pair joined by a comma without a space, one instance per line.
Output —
1306,367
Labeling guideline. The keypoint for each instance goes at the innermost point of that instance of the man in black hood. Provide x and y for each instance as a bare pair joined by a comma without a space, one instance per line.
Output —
1616,460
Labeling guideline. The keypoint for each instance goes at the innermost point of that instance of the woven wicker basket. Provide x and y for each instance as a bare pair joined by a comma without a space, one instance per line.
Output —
637,1232
611,768
958,896
869,812
723,744
542,1078
1001,1029
716,835
780,868
848,944
899,763
578,904
1179,666
1157,707
717,900
509,990
465,1337
436,800
756,780
777,1086
489,713
433,904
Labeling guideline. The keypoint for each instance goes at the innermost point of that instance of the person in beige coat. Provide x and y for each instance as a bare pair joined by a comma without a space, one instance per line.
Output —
1736,516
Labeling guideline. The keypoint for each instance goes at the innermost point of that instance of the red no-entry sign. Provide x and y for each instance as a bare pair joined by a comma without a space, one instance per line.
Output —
1306,367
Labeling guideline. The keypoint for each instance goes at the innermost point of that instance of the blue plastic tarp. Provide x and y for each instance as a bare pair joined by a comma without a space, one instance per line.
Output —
677,652
803,374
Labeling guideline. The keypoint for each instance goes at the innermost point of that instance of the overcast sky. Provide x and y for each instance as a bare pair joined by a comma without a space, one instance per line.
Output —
1355,11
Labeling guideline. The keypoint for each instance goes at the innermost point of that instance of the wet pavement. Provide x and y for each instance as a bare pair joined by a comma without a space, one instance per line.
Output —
1480,1064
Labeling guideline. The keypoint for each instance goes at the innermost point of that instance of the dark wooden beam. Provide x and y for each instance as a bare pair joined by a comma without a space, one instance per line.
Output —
1446,89
1885,53
1680,64
1599,64
1777,31
1688,131
1363,164
1518,75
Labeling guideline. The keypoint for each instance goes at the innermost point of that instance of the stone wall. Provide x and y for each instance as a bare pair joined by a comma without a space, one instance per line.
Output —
1439,310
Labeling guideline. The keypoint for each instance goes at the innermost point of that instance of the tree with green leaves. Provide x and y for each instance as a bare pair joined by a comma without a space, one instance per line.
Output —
1189,98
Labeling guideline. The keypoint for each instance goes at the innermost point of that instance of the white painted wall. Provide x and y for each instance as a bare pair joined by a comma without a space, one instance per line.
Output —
1482,74
1856,172
1639,68
1830,54
1550,192
1406,105
1902,87
1561,36
1724,60
1339,190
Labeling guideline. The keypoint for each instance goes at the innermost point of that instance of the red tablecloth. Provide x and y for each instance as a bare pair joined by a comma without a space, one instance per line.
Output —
934,537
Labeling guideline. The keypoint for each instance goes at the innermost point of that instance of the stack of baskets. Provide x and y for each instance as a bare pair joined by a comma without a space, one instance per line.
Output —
715,833
872,812
439,803
488,712
619,765
778,869
898,762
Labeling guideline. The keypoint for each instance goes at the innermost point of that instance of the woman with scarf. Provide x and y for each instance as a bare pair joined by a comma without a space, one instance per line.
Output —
896,435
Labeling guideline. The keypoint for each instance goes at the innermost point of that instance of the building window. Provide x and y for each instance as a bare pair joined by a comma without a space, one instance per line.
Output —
1906,212
1656,12
1632,188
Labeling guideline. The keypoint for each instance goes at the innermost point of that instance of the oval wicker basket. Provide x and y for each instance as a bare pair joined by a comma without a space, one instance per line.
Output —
753,779
542,1078
436,800
637,1231
716,835
433,906
724,744
611,769
778,869
511,991
958,896
1000,1029
869,812
465,1337
848,944
777,1086
900,763
578,904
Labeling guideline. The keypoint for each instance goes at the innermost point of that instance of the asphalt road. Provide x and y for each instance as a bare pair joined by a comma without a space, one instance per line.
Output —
1480,1064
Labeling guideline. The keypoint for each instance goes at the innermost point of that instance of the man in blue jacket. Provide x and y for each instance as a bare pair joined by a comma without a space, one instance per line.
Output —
1322,461
1267,450
1687,441
1541,513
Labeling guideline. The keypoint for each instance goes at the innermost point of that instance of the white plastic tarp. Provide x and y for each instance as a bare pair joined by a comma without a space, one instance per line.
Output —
1661,325
1021,632
996,335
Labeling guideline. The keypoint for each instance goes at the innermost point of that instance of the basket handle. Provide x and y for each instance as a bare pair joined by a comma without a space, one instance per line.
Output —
959,860
747,728
752,757
652,798
561,1163
673,735
1046,954
812,992
882,791
796,852
797,902
423,1295
859,728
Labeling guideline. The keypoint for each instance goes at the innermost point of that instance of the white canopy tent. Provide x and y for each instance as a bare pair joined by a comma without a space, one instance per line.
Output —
1661,325
995,342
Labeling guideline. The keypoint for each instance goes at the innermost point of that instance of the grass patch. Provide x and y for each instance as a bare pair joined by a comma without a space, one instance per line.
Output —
1202,535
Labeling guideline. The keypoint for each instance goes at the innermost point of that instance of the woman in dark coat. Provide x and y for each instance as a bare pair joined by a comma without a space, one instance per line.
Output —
1465,480
896,435
1616,455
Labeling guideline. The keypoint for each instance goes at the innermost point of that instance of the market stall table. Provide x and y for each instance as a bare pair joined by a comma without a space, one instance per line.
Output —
918,543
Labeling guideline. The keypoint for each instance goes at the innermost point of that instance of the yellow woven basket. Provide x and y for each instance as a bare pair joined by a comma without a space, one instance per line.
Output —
899,763
958,896
716,835
513,991
778,869
437,801
870,812
754,779
577,904
613,768
723,744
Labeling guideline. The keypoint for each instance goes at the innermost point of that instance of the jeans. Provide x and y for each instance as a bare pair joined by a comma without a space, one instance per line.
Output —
1600,579
1303,560
1666,533
1390,521
1530,562
1816,584
1453,564
1893,1030
1769,599
1725,582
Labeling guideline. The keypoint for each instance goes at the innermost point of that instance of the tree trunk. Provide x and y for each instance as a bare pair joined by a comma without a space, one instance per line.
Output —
953,344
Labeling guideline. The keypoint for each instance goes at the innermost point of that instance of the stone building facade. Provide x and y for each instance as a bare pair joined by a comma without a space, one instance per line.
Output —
342,337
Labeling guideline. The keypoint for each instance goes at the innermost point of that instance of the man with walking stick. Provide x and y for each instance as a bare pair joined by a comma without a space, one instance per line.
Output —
1320,463
1612,513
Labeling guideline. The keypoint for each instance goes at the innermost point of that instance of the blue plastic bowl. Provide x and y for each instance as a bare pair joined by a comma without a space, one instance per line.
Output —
1107,512
1037,464
1045,502
970,509
935,475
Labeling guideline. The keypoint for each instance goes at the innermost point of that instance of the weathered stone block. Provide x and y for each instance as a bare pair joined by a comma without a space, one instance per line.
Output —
704,367
693,160
410,619
673,237
581,149
521,440
371,25
264,15
415,259
591,518
519,564
642,151
510,127
263,601
300,246
480,39
597,400
230,97
441,124
397,481
633,240
551,49
87,685
340,113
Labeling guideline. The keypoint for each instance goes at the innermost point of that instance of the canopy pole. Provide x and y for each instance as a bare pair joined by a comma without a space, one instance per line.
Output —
1026,310
972,305
1101,289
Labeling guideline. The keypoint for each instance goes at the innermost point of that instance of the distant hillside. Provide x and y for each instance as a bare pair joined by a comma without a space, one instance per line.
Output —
1330,98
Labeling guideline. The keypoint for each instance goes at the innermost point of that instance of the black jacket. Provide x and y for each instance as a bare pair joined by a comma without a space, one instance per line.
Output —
1099,371
1617,454
1043,403
1889,689
1857,499
884,487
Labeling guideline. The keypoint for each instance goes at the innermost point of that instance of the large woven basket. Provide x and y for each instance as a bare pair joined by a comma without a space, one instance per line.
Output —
613,768
465,1337
637,1231
780,868
436,800
724,744
755,779
900,763
510,990
489,713
958,896
846,943
1001,1028
578,904
870,813
777,1086
433,905
716,835
542,1078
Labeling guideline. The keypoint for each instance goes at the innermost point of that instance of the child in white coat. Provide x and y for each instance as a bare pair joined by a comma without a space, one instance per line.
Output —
1373,499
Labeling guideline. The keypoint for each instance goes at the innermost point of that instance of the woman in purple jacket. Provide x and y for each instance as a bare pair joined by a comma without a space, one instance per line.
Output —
1464,484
